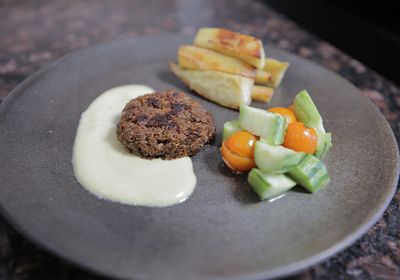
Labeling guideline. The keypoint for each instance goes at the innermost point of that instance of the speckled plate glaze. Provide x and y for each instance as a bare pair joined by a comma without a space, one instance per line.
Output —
222,231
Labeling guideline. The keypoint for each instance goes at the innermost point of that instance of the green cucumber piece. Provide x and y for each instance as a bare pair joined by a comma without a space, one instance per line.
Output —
275,159
310,173
324,144
268,186
230,127
307,112
265,124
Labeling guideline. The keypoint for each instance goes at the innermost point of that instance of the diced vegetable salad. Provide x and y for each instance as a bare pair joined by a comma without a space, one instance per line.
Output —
279,147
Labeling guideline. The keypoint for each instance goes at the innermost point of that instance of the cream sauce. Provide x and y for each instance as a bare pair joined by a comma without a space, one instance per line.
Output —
103,167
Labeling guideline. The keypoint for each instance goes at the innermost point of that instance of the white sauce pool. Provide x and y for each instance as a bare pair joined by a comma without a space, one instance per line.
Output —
103,167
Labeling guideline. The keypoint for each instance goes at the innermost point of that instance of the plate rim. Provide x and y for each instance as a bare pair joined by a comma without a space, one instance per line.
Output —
283,271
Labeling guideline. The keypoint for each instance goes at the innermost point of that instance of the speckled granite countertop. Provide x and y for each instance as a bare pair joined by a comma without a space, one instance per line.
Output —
34,33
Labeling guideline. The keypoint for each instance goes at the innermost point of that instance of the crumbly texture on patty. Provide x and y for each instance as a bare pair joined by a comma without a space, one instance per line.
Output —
164,125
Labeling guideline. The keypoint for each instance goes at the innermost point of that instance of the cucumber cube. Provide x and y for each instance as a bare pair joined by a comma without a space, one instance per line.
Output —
268,186
265,124
311,173
230,127
307,112
275,159
324,144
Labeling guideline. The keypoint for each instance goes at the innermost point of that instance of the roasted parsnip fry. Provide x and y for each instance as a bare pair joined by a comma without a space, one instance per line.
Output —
263,77
197,58
261,93
244,47
225,89
277,70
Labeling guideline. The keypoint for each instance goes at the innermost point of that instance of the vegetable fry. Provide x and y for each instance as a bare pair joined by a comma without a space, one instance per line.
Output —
263,77
225,89
244,47
196,58
261,93
277,70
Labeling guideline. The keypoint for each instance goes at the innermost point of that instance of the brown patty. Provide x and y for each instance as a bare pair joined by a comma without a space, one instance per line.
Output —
165,124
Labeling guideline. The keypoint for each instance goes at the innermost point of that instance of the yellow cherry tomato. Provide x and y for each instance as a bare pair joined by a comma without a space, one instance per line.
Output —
300,138
291,108
289,114
242,143
238,151
236,162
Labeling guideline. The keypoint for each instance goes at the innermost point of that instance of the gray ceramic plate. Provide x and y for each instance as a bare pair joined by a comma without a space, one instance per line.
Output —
222,231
